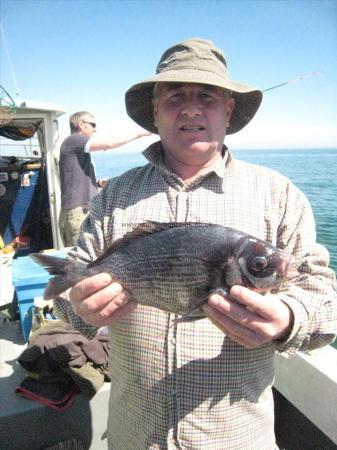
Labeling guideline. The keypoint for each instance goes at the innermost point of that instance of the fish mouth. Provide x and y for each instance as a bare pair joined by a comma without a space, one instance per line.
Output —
287,269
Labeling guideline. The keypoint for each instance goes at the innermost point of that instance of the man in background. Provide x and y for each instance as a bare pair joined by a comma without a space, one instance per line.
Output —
77,173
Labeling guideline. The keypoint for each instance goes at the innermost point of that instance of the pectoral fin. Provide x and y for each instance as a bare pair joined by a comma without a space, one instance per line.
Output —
194,314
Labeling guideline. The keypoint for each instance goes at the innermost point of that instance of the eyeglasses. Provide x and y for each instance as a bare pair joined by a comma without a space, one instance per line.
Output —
90,123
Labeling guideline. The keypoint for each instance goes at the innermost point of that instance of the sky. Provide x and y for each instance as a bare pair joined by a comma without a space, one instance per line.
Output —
84,55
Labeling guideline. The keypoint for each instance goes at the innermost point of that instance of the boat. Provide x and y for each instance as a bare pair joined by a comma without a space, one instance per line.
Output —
30,205
305,385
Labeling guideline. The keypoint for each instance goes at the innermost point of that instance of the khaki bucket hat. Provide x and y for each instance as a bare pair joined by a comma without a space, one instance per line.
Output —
192,61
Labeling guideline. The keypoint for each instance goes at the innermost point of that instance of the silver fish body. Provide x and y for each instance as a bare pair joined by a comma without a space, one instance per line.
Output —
174,267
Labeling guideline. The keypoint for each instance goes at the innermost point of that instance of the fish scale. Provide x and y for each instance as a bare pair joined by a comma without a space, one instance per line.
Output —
147,278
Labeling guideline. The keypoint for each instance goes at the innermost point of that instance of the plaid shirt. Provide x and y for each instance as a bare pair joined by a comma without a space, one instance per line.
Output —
188,386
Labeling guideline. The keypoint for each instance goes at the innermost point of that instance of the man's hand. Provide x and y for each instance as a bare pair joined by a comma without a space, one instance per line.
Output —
100,301
102,182
251,319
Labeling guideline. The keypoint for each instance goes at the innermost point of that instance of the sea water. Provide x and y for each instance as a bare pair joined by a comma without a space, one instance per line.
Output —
313,171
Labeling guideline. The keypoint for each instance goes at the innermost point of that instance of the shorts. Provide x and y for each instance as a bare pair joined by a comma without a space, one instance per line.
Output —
70,222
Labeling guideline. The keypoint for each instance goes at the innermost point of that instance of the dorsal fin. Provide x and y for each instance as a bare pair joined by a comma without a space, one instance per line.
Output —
143,229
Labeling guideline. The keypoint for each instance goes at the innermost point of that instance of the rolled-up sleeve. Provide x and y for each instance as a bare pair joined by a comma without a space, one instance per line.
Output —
312,294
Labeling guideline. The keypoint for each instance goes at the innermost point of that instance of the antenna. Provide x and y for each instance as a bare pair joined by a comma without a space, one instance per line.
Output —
302,77
2,33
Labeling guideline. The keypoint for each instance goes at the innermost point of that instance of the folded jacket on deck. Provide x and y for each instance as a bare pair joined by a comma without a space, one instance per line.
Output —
65,358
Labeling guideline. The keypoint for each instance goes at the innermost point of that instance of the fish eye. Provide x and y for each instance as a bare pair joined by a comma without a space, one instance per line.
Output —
258,263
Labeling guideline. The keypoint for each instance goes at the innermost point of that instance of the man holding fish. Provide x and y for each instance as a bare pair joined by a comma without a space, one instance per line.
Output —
199,375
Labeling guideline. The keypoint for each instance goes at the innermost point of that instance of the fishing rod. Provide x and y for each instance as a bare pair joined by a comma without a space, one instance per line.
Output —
2,37
302,77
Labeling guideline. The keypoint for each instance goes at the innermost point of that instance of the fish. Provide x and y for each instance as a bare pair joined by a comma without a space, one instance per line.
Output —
176,266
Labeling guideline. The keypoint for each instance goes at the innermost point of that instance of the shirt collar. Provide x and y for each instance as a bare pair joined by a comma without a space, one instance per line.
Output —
155,155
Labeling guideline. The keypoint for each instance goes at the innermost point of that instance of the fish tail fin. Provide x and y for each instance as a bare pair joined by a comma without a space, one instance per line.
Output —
67,273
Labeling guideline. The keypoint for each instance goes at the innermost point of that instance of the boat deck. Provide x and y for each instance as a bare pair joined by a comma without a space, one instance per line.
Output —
27,425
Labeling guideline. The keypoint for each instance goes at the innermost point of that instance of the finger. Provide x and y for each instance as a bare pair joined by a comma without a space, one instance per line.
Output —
248,340
110,315
89,286
236,311
262,305
230,324
113,293
250,326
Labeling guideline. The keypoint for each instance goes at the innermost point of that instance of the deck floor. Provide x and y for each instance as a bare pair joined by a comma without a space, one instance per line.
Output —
27,425
293,430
